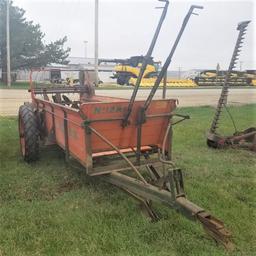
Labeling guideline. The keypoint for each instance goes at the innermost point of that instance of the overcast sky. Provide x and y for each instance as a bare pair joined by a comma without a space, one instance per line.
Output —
126,28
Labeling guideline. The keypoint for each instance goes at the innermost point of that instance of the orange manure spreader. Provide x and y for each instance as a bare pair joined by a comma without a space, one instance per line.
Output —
124,142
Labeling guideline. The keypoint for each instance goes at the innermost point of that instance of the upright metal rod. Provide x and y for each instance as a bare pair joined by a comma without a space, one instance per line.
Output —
96,42
164,86
85,49
145,62
142,110
119,152
8,44
169,58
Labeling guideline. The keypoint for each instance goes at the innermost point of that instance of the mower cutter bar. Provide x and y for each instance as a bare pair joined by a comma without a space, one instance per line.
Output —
242,26
246,138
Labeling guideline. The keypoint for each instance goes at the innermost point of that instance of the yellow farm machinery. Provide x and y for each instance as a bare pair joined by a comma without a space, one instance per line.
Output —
126,72
147,82
217,78
130,68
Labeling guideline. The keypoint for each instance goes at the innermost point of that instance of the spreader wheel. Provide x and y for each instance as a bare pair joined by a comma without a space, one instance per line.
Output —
29,133
212,144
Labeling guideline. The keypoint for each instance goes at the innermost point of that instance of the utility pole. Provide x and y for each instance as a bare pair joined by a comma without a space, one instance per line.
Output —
8,44
96,42
217,69
85,49
179,72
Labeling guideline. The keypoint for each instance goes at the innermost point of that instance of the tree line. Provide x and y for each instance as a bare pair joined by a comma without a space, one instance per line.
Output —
27,47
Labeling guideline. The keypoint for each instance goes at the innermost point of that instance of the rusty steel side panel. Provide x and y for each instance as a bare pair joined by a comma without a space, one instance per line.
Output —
152,131
75,133
54,121
99,98
81,145
59,126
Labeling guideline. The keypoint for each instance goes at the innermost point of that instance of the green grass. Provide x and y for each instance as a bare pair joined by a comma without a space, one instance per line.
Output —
52,208
16,85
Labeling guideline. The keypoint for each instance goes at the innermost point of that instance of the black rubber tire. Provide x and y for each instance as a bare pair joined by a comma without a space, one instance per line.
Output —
123,79
212,144
29,133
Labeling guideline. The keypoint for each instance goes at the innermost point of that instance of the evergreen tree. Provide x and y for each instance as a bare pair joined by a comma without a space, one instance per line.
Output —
27,48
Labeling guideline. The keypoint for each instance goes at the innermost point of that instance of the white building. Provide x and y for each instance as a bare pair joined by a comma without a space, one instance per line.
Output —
75,63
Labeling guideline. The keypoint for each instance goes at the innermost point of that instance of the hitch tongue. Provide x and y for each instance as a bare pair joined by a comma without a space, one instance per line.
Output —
215,228
212,226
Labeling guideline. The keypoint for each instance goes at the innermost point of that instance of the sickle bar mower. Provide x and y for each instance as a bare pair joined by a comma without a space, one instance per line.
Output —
243,139
100,133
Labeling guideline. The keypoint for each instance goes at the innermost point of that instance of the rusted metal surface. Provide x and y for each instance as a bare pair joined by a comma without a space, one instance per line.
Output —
244,139
146,206
214,227
104,115
120,153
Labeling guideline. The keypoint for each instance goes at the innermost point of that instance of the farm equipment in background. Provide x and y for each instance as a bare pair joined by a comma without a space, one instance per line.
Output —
217,78
99,131
130,68
127,72
251,75
63,76
246,138
173,82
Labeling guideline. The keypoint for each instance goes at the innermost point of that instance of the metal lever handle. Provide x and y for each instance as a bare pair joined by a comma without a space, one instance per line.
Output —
196,7
162,7
192,7
145,63
169,58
